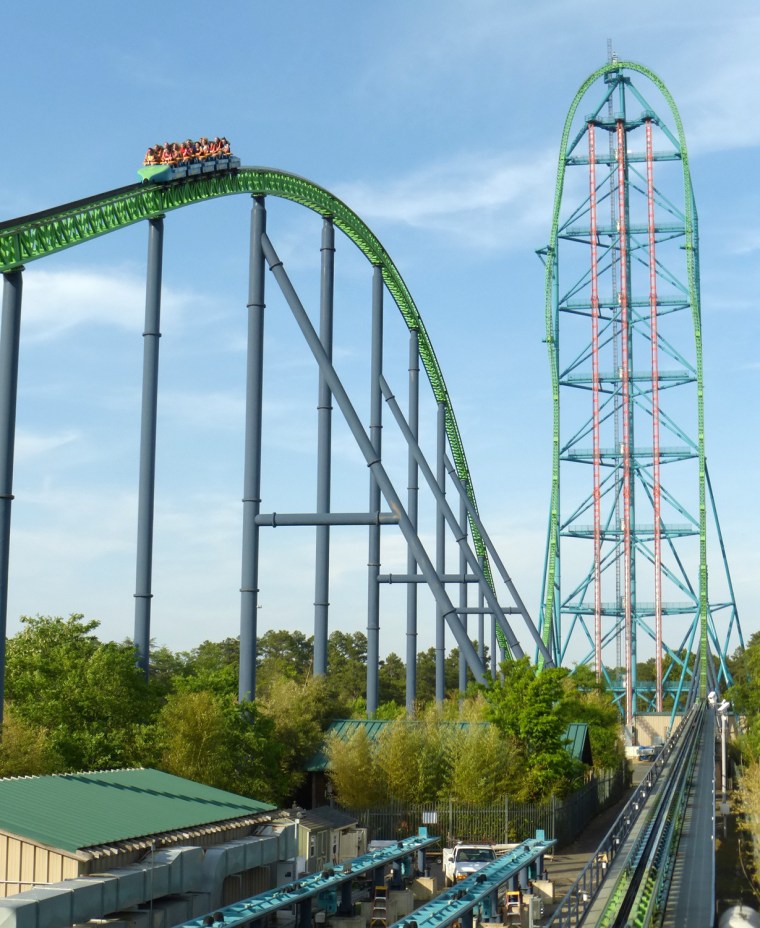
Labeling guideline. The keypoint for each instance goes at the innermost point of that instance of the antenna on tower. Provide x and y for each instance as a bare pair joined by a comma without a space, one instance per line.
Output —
611,56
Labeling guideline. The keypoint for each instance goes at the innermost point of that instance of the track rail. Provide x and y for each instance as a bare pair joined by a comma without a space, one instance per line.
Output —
640,894
39,235
639,867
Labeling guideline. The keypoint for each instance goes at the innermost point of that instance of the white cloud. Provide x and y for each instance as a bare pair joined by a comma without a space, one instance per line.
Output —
480,199
56,301
32,445
723,93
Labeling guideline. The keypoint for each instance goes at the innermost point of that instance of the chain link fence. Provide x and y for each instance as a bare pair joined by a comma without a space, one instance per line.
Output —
509,821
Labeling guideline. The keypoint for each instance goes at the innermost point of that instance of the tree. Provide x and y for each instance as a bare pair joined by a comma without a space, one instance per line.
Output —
283,654
485,764
426,674
392,680
25,749
88,695
413,759
219,742
347,667
529,706
213,666
587,700
300,712
353,770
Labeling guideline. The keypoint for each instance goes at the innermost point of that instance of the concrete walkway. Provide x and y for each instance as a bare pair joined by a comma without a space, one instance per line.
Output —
567,864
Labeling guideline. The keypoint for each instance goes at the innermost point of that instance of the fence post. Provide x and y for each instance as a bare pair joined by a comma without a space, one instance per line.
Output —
506,819
554,819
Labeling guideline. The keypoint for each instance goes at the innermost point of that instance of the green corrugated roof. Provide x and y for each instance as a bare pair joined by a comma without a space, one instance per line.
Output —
576,738
344,729
577,741
80,810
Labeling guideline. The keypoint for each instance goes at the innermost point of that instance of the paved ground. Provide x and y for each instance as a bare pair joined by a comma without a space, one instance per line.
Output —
568,863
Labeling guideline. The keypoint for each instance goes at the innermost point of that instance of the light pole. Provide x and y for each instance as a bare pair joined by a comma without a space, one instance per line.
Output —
723,713
297,821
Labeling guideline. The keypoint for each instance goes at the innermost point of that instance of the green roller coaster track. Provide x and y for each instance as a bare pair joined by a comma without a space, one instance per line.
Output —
46,233
551,339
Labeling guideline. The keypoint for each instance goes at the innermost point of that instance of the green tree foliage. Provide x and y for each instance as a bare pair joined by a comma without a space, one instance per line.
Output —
77,703
300,713
212,666
25,748
531,708
413,758
392,680
484,764
283,654
87,695
214,740
426,674
347,667
745,695
353,771
586,700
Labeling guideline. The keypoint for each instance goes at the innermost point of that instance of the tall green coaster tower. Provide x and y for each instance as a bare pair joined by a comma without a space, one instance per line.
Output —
632,514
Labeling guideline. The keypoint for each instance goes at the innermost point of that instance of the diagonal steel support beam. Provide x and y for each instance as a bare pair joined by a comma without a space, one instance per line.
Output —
458,531
373,462
521,607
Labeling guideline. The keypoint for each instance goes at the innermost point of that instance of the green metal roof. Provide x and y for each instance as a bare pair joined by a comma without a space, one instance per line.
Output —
81,810
577,741
576,738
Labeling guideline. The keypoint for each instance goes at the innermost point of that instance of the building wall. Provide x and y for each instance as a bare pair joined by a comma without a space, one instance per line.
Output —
24,865
654,728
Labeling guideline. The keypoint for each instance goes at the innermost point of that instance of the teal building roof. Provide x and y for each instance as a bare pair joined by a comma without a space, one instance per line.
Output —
576,738
82,810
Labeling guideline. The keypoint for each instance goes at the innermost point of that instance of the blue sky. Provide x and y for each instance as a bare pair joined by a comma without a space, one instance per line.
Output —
439,123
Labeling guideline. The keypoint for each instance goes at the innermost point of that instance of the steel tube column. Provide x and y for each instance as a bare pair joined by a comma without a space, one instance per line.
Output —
595,390
375,433
461,538
656,488
463,594
482,620
413,511
373,461
9,351
521,608
440,556
324,454
628,554
249,587
148,419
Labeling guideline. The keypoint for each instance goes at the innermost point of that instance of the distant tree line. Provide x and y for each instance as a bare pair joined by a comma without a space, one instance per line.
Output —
74,702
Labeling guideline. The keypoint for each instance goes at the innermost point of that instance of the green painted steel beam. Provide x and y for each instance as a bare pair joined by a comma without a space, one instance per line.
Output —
43,234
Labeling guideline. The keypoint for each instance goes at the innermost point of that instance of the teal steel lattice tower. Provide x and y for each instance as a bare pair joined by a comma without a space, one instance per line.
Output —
632,513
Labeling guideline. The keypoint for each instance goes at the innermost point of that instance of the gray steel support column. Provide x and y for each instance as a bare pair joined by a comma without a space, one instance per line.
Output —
373,462
413,510
463,594
440,556
494,652
460,539
249,586
324,454
148,419
10,332
499,564
481,621
375,436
